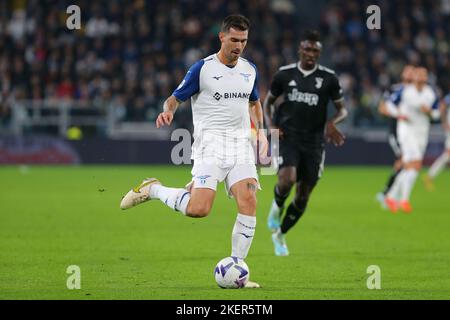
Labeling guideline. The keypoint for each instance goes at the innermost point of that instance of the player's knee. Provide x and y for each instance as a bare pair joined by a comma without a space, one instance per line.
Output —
247,203
285,184
199,210
301,199
417,165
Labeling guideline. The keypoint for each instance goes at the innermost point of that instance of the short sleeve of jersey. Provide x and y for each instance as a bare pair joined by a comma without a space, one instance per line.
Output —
396,96
336,91
191,82
435,105
254,95
276,88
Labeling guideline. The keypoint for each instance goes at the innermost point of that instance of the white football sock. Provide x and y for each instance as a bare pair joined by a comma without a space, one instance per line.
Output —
408,182
438,165
242,236
397,186
175,198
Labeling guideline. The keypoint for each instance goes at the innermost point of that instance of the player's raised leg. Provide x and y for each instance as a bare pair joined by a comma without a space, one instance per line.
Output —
286,179
436,168
193,202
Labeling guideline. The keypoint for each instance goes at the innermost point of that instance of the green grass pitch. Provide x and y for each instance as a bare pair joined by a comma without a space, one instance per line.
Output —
54,217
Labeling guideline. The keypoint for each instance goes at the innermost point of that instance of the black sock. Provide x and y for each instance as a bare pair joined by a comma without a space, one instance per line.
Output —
280,199
293,213
391,180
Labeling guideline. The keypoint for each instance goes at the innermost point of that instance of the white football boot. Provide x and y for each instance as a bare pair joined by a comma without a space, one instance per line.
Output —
138,195
251,285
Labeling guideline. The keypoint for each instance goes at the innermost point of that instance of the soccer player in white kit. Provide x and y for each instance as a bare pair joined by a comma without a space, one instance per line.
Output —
444,158
415,103
224,97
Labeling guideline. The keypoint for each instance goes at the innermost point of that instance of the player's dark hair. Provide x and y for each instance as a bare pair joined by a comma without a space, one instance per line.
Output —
311,35
235,21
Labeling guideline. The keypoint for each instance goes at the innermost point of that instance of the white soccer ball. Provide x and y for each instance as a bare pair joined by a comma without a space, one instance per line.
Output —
231,273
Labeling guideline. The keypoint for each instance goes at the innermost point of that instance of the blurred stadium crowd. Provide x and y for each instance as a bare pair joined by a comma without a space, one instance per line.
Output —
134,53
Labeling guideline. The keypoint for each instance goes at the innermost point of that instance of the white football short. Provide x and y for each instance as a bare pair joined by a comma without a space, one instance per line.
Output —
413,144
208,175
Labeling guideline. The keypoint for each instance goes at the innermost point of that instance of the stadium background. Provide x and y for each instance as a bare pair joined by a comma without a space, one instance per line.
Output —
91,96
109,78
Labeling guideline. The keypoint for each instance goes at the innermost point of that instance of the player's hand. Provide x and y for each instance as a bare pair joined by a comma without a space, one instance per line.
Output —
425,109
402,117
333,135
446,127
164,118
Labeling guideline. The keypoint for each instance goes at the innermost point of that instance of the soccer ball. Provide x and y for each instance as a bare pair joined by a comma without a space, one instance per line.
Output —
231,273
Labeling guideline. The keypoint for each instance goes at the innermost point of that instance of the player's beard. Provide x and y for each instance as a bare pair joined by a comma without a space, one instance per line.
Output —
233,56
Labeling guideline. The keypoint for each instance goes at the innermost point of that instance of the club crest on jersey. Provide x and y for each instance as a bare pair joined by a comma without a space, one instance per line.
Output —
319,82
246,76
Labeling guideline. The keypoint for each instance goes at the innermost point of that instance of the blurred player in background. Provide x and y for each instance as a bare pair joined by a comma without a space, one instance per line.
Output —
306,89
444,158
407,78
224,96
413,106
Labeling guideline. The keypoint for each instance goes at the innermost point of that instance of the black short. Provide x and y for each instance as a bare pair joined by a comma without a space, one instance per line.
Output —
309,161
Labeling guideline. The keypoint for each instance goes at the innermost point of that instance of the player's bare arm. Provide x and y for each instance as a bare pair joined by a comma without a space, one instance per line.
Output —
169,107
382,109
257,117
332,133
269,110
443,112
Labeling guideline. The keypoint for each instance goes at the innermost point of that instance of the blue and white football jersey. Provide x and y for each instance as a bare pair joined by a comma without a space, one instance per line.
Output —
220,98
219,94
409,100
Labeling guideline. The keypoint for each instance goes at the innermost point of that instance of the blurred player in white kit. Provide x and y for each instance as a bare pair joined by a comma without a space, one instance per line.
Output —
413,106
440,163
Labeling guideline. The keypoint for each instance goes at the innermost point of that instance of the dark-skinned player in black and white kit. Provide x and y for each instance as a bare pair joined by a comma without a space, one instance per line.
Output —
296,105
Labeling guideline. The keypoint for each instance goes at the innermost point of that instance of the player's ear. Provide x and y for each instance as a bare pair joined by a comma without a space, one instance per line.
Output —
221,36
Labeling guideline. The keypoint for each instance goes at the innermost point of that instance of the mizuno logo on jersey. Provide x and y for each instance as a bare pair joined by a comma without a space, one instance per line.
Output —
218,77
292,83
311,99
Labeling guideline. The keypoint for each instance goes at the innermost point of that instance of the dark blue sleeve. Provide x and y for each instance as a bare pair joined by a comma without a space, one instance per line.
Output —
435,105
254,95
191,82
396,96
